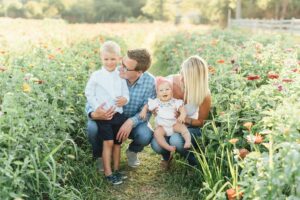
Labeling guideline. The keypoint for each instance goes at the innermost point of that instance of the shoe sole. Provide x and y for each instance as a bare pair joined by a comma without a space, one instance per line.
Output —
118,183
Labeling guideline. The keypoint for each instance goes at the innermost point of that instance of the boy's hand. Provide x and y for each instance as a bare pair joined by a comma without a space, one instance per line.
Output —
101,114
121,101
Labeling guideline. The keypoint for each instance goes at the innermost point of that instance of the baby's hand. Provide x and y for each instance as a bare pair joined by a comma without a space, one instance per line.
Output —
155,111
121,101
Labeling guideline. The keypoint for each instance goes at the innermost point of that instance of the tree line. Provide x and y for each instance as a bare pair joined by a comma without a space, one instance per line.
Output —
197,11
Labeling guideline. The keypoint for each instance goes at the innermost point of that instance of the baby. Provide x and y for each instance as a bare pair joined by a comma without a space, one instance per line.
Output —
165,121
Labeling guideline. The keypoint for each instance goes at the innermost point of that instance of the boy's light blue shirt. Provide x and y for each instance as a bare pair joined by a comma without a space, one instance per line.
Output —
139,93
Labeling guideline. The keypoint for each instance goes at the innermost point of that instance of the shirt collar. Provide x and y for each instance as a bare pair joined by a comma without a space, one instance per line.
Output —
139,81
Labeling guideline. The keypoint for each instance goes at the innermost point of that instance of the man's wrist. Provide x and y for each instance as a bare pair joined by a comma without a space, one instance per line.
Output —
90,115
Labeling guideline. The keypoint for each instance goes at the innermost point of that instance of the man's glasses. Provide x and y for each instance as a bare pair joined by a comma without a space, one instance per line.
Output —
124,68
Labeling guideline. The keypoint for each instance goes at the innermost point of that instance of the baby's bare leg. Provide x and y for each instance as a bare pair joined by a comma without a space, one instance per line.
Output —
181,128
159,135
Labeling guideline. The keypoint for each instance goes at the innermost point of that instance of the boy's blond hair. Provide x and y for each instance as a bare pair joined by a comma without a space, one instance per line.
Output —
195,74
110,47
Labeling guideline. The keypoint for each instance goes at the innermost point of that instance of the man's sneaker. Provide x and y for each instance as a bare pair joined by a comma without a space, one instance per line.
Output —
120,175
99,165
113,179
133,160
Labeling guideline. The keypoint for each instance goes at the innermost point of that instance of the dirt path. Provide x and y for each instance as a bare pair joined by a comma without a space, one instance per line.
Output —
149,181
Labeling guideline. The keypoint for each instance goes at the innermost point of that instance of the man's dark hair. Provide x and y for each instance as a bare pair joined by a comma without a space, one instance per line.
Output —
142,57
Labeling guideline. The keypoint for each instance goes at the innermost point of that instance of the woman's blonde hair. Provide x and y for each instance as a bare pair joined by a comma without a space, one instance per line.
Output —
195,74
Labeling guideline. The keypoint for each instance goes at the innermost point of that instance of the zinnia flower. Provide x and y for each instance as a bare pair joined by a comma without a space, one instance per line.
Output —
272,75
26,87
2,68
287,80
248,125
221,61
253,77
233,140
258,139
211,70
243,153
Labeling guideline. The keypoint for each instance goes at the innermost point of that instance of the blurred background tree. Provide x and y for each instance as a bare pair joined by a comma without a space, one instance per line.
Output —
194,11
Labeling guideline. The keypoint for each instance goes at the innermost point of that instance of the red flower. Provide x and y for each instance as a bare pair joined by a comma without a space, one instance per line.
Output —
243,153
279,88
287,80
221,61
294,70
253,77
272,75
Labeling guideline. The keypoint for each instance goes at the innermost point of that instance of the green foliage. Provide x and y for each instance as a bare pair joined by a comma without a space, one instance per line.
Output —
42,111
271,103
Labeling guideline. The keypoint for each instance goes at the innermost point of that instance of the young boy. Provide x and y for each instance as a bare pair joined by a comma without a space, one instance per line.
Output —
106,87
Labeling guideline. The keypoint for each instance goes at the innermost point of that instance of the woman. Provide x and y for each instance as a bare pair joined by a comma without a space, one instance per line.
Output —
191,85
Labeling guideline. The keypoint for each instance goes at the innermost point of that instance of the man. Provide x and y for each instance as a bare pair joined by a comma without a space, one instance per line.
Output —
141,86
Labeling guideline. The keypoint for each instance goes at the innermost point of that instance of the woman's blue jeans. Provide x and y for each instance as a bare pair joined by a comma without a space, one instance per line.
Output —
177,140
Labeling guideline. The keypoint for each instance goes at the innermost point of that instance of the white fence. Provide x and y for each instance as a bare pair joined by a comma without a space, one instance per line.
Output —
292,25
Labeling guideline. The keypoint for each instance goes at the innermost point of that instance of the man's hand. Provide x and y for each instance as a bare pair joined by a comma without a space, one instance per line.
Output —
121,101
125,130
101,114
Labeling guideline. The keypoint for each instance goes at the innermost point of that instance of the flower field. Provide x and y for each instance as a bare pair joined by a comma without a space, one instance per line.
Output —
250,145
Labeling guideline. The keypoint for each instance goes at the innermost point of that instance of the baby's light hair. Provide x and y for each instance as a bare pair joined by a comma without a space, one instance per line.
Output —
110,47
160,80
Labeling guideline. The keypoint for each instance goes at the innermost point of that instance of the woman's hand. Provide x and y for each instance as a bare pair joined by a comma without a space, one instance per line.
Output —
181,119
101,114
121,101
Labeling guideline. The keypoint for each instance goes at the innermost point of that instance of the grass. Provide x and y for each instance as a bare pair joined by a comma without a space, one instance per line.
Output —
148,181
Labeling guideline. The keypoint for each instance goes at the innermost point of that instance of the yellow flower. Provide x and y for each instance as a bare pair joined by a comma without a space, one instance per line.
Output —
26,87
233,140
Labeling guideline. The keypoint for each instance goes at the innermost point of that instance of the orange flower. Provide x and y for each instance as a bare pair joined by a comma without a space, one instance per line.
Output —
248,125
232,193
233,140
211,70
221,61
26,87
51,56
214,42
258,139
